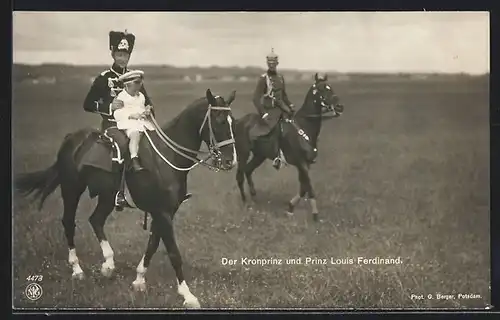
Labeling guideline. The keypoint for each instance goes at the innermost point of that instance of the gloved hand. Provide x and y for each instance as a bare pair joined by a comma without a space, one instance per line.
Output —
147,112
339,108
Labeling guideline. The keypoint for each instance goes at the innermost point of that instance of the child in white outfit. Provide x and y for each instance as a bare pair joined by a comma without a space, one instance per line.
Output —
132,116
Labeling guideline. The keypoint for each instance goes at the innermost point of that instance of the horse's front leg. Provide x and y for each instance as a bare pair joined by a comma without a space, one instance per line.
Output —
98,218
166,228
240,173
139,283
305,189
254,163
302,191
311,194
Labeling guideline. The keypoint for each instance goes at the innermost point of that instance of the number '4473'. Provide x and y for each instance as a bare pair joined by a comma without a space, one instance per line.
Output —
35,277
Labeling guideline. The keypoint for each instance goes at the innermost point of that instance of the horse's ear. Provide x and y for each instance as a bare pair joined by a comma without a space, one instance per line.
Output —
231,98
326,76
210,98
316,77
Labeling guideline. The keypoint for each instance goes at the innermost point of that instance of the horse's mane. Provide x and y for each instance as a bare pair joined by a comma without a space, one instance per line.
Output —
176,119
305,107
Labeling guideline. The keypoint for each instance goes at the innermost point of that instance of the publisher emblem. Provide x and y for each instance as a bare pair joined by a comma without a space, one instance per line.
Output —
33,291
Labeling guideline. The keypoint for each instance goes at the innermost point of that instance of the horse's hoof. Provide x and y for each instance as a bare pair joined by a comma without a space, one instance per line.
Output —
78,276
106,270
192,303
316,217
253,193
139,286
289,213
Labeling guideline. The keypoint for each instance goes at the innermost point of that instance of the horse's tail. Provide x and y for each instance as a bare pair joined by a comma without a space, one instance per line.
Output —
43,183
40,183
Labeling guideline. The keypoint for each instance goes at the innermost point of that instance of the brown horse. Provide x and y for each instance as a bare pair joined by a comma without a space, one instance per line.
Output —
298,141
167,156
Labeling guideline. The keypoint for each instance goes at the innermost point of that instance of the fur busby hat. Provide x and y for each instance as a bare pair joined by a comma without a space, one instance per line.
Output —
121,41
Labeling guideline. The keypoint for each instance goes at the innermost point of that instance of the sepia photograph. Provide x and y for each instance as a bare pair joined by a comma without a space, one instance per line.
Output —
250,160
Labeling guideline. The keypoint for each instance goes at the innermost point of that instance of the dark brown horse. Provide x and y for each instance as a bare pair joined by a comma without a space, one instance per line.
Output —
298,141
167,156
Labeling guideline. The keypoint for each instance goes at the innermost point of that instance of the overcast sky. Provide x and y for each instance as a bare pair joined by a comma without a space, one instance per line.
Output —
342,41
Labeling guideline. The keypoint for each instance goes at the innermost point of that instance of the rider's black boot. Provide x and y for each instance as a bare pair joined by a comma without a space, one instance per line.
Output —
120,201
136,165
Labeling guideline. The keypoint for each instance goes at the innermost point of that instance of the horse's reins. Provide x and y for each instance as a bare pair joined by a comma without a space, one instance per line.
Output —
214,146
300,131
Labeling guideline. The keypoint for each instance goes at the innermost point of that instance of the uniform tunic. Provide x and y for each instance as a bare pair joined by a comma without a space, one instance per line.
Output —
102,92
264,103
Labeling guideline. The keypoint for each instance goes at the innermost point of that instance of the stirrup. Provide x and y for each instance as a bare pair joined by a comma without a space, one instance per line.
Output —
281,159
277,163
121,202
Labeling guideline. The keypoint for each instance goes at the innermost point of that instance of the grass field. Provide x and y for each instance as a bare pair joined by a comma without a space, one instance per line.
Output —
403,173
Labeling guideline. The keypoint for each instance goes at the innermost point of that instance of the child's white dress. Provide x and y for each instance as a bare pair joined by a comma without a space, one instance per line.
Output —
131,105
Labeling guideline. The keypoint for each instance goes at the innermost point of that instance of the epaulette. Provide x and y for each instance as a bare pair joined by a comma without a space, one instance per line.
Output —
263,75
104,72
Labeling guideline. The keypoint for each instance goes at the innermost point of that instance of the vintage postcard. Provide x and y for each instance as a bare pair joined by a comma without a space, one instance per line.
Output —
250,160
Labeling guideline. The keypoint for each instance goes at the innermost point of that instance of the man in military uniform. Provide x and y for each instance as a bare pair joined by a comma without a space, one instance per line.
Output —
101,97
271,101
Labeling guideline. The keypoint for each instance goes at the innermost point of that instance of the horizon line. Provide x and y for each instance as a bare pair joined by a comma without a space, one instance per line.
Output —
253,67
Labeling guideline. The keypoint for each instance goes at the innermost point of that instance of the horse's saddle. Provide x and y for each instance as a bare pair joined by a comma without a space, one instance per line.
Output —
263,128
271,140
111,144
102,152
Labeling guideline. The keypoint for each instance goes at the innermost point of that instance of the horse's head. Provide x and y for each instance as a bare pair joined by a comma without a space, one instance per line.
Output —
217,130
325,100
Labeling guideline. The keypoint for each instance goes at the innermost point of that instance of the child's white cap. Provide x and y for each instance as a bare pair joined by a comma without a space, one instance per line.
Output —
131,76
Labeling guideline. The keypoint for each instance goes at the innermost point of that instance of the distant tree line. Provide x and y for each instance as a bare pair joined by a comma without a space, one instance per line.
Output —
22,72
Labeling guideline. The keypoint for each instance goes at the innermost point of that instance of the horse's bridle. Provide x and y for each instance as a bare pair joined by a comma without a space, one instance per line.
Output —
318,97
214,146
